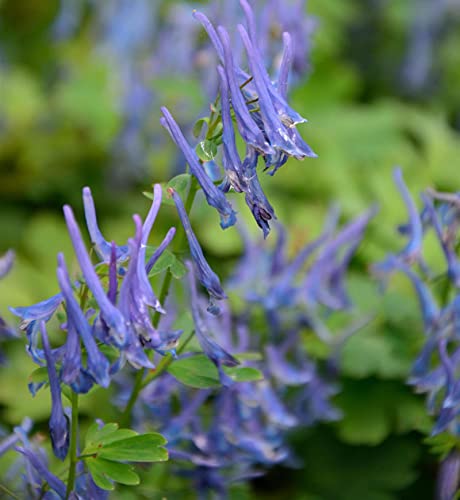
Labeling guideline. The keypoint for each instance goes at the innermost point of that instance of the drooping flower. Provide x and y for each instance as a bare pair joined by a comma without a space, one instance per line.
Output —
435,368
207,277
58,423
31,317
214,196
449,476
42,470
263,119
98,366
102,247
211,348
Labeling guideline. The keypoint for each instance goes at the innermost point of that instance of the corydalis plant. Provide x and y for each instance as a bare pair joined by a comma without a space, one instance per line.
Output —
111,319
264,120
435,371
217,439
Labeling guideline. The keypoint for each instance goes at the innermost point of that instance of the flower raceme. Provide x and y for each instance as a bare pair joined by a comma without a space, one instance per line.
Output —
264,120
440,214
122,319
206,276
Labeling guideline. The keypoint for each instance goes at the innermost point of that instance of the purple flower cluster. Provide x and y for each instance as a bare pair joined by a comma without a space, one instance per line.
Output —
434,371
264,120
234,434
32,466
109,311
300,294
146,40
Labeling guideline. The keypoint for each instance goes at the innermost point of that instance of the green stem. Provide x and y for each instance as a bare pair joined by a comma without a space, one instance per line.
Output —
8,492
139,382
445,291
73,446
164,363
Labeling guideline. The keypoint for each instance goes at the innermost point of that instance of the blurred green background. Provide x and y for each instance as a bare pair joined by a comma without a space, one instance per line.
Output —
383,90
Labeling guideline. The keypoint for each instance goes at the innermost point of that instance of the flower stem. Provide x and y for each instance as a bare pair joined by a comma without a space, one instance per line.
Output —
139,382
164,363
73,446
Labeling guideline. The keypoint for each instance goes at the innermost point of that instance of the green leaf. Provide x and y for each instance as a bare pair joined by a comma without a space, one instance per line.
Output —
244,374
95,434
165,261
201,373
216,136
198,126
98,474
180,183
177,269
118,436
441,444
39,375
249,356
373,409
206,150
115,471
141,448
168,260
148,195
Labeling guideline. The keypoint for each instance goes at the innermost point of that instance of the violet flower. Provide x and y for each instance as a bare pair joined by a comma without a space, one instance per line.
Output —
37,463
59,426
98,366
214,352
102,247
110,314
6,263
214,196
31,317
206,276
449,476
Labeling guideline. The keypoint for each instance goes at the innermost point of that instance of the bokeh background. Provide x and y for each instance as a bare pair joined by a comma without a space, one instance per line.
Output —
81,84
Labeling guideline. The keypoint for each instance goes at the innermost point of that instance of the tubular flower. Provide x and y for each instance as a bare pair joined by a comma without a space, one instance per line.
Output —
102,247
264,120
206,276
214,196
214,352
31,317
123,316
59,427
42,470
98,366
441,316
110,314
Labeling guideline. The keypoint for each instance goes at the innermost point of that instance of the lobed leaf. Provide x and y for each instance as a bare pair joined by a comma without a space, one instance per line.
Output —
200,372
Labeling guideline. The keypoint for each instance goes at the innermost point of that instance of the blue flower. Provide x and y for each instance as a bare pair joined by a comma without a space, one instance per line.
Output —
215,353
31,317
98,366
102,247
207,277
46,476
161,248
449,476
19,434
6,263
214,196
414,230
59,426
446,241
324,282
